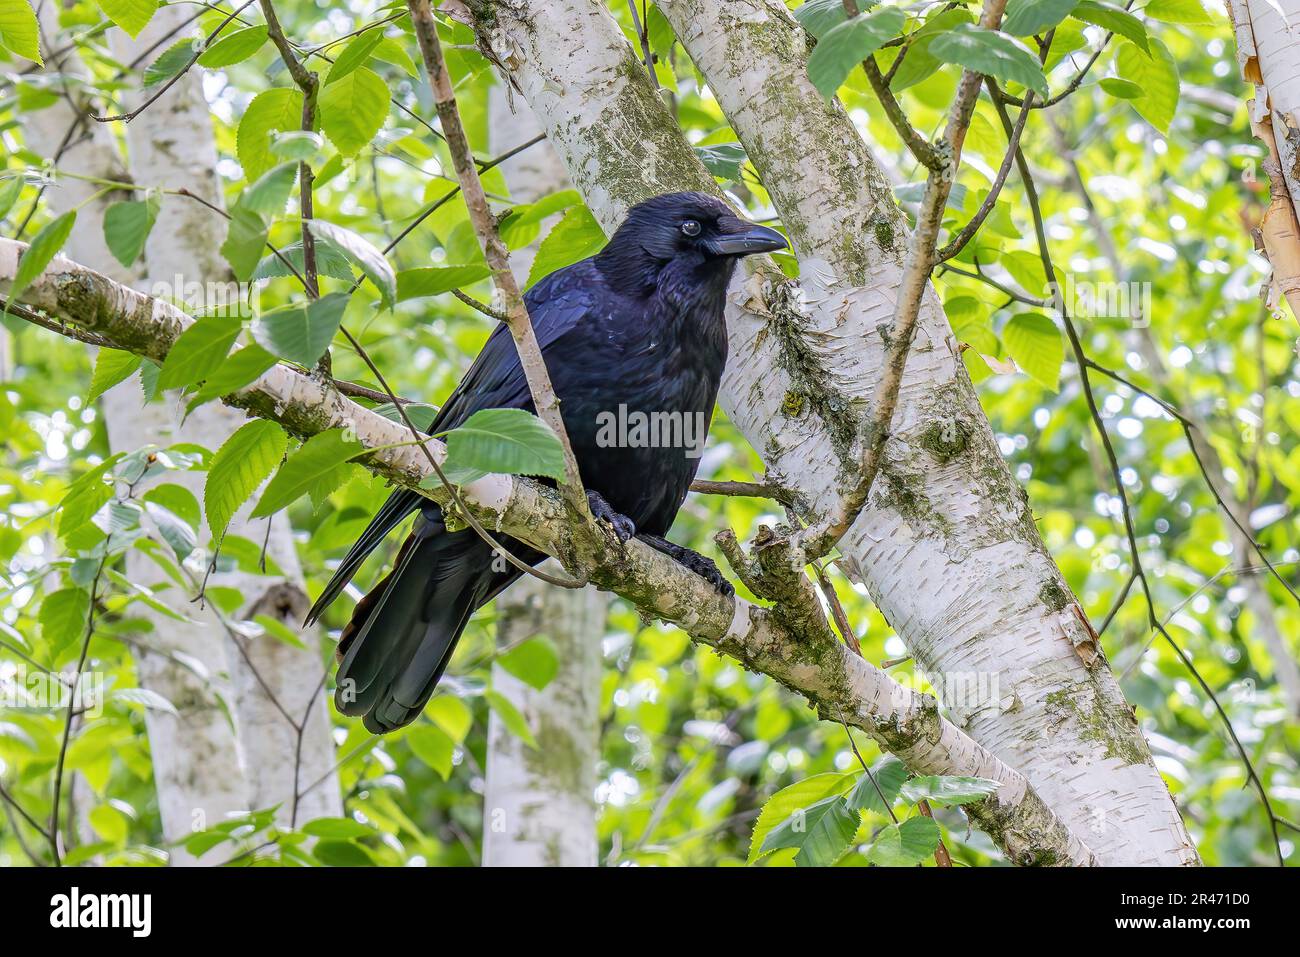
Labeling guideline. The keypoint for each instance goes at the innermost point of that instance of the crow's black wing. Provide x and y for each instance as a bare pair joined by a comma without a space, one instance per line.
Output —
557,306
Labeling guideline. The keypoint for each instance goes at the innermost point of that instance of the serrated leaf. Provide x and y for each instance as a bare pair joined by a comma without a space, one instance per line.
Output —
337,828
19,31
329,262
432,746
176,499
906,844
576,236
303,331
845,46
948,790
270,111
176,532
131,15
889,774
1036,344
44,247
819,17
241,464
143,697
317,455
111,367
1156,75
63,617
342,854
535,662
511,441
267,195
390,51
362,252
10,191
421,414
86,496
511,717
991,53
353,109
1115,19
127,226
236,371
781,805
435,280
1189,12
354,54
199,351
1026,18
1121,89
173,60
822,832
245,238
723,160
234,47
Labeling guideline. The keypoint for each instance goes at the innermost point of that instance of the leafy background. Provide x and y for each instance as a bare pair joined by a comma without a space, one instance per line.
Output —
701,762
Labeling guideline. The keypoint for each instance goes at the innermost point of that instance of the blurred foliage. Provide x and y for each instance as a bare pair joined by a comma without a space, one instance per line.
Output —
693,746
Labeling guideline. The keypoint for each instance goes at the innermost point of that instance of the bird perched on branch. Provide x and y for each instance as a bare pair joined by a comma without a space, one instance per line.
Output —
632,333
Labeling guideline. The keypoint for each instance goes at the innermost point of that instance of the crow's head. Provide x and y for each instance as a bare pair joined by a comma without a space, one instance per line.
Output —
692,229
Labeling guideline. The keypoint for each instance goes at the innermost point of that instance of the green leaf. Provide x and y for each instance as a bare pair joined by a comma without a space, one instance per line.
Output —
145,698
432,746
111,367
511,717
352,110
1121,89
535,662
63,617
275,628
131,15
844,47
991,53
362,252
199,351
511,441
245,238
390,51
354,55
176,532
317,455
452,715
302,332
1026,18
435,280
235,372
178,500
238,468
906,844
822,831
421,414
10,192
1189,12
889,774
234,48
948,790
110,823
781,805
342,854
45,246
267,195
19,31
86,496
722,160
127,226
819,17
1036,344
1112,18
329,262
337,828
173,60
271,111
1157,75
574,237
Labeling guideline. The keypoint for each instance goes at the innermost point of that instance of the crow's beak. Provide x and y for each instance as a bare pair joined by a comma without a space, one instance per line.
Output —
748,238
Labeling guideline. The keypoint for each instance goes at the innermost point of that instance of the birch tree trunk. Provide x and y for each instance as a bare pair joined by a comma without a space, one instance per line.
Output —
947,545
539,805
1268,50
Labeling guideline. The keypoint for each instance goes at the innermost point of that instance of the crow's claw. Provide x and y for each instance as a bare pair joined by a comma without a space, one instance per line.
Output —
624,527
702,566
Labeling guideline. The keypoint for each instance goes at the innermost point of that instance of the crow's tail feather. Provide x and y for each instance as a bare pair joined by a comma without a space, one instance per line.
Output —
403,633
399,505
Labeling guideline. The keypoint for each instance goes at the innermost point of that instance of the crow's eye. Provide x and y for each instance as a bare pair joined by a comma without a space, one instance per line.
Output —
690,228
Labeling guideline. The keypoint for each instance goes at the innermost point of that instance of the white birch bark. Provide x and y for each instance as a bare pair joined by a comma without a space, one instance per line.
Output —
278,690
947,545
539,805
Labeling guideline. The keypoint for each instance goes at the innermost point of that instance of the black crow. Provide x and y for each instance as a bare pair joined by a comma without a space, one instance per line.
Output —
635,342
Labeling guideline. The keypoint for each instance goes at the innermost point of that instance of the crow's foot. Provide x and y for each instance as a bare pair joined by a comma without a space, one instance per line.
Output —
703,566
624,527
